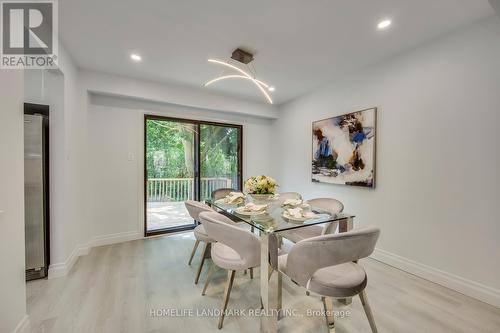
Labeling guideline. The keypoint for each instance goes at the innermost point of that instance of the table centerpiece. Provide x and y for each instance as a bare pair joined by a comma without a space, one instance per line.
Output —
261,188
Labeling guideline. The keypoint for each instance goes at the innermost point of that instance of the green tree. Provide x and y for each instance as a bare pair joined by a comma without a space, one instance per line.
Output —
170,150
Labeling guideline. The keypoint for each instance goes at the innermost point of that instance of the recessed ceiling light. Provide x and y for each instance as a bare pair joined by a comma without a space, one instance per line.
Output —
271,88
384,24
135,57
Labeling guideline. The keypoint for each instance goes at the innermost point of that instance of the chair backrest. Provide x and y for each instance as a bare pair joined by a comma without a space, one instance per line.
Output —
309,255
221,193
331,206
194,208
289,195
222,229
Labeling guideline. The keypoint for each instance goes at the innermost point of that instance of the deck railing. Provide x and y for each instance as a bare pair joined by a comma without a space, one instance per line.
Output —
182,189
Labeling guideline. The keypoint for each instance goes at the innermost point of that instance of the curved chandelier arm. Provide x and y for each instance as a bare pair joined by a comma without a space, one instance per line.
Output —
235,76
248,76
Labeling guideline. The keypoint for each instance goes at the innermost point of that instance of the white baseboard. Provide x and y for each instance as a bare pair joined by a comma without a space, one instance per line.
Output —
62,269
114,238
23,326
467,287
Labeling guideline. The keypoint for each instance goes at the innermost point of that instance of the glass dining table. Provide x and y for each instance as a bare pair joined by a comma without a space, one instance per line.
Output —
271,226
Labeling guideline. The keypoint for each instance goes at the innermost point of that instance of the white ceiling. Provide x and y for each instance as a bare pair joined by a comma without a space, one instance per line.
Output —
298,45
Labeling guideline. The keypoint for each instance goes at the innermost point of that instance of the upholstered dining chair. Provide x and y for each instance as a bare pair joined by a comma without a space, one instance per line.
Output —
327,265
329,205
194,209
221,193
289,195
236,249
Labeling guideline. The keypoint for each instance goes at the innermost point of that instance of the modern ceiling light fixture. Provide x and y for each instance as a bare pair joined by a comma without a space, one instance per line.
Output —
241,57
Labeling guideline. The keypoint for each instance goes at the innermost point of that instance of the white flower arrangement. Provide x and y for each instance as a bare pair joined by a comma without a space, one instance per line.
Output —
261,185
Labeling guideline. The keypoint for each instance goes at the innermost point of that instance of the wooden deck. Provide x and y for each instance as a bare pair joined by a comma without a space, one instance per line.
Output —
161,215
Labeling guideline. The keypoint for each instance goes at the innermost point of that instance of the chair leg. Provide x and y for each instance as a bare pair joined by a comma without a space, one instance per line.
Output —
204,255
194,251
227,292
211,272
251,273
368,311
280,294
329,313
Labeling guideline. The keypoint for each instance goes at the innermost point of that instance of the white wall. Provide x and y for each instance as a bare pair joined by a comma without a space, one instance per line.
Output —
75,226
69,228
115,130
438,187
12,261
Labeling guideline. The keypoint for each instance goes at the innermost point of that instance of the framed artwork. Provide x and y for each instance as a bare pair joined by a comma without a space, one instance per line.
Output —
343,149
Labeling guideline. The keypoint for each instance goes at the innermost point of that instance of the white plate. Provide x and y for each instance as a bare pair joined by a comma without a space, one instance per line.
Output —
247,213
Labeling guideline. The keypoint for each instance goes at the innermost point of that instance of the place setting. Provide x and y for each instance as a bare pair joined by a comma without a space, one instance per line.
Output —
233,198
296,211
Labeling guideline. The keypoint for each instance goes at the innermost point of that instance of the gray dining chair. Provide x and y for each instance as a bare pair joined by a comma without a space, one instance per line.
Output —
236,249
289,195
327,265
221,193
194,209
330,206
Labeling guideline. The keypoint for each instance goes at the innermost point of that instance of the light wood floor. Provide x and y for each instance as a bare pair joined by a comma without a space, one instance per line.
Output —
114,288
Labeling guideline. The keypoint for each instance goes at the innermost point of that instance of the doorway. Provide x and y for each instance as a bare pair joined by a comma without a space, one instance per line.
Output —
186,160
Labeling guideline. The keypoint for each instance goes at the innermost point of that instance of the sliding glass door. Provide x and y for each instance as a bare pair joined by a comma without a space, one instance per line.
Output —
186,160
170,173
219,158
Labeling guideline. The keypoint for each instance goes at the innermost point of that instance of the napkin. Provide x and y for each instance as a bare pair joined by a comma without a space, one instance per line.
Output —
291,203
235,197
251,207
300,213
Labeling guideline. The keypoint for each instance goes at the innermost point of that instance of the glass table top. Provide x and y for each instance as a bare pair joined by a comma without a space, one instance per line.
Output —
273,221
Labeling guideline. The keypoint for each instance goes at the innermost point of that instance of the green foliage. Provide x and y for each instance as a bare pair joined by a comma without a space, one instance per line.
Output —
170,150
218,151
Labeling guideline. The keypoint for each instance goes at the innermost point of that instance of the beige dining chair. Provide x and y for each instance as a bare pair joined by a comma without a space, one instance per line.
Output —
327,265
330,206
236,249
194,209
221,193
289,195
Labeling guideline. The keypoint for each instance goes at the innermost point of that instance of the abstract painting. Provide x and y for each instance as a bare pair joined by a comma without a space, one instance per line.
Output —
343,149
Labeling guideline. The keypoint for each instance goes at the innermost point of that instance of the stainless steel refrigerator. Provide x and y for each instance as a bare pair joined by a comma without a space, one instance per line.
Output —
36,194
